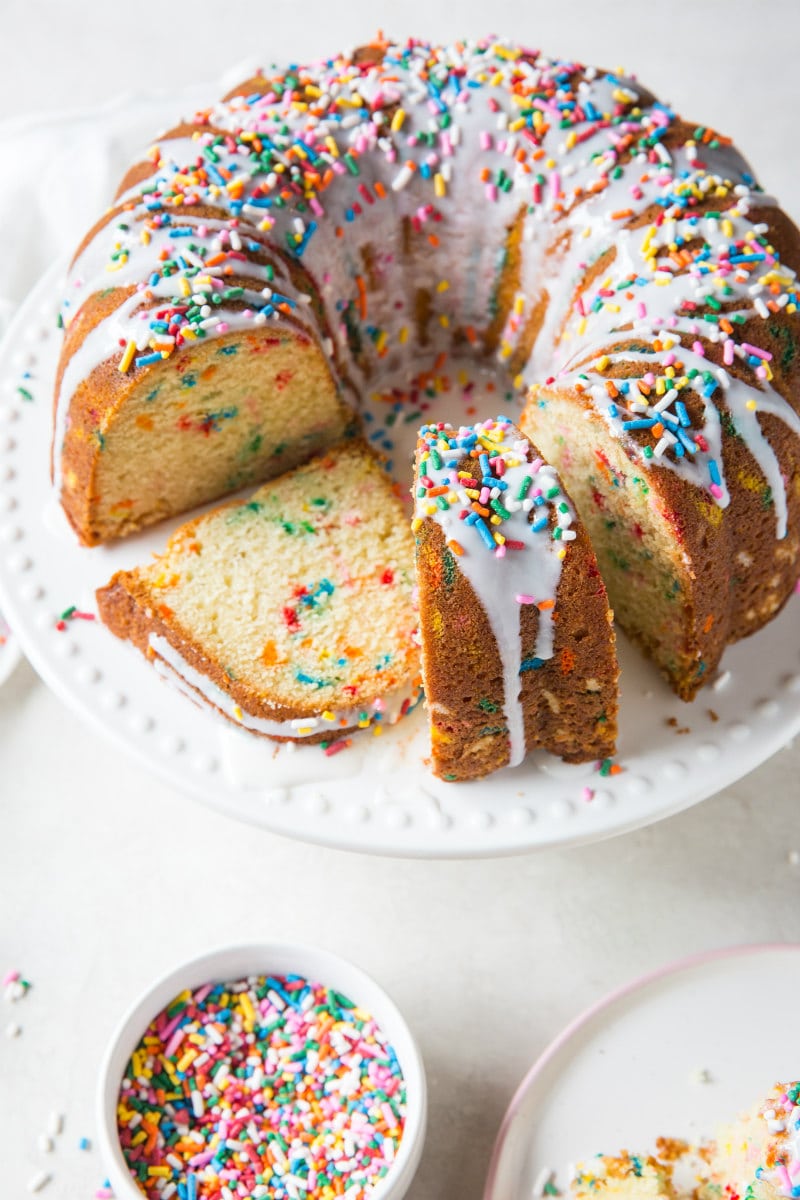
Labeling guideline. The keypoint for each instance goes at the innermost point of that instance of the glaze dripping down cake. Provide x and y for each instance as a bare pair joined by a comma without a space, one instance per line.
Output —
517,642
330,223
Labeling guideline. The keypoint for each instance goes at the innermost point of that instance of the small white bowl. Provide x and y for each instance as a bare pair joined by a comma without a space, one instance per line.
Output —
237,962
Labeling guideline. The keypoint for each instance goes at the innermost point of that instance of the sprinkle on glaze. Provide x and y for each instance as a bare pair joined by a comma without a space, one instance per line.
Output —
509,532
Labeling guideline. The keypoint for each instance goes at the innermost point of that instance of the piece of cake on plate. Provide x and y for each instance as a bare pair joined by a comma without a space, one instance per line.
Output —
290,612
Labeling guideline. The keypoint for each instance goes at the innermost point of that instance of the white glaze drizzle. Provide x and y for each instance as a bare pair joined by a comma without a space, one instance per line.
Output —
503,578
174,669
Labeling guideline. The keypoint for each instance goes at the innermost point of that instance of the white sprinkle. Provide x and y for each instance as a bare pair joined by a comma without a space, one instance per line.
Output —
721,681
198,1107
39,1180
402,178
700,1075
55,1122
541,1181
794,858
13,1029
45,1143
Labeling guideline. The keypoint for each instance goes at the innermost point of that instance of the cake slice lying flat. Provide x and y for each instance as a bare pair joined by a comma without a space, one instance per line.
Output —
758,1156
291,613
517,642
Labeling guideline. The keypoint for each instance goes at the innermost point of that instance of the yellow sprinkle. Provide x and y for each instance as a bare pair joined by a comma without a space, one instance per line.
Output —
160,1172
515,126
602,362
439,186
402,336
519,305
185,288
377,730
397,120
415,525
751,404
127,357
237,712
727,228
332,147
444,321
442,285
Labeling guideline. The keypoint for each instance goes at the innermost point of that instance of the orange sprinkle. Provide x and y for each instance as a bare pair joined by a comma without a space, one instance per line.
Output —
544,605
362,296
622,214
455,546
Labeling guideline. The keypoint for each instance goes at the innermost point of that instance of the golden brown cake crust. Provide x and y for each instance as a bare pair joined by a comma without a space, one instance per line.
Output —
569,703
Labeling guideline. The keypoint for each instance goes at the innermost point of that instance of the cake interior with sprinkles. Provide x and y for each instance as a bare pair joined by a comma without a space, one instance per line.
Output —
270,1086
289,612
276,257
756,1157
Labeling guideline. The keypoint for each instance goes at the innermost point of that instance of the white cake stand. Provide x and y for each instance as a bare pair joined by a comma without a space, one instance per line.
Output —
377,796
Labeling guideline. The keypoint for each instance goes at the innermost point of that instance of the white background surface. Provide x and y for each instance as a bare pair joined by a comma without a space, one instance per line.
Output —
107,877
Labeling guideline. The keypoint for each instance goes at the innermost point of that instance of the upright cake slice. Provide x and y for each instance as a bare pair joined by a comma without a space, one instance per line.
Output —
291,612
517,641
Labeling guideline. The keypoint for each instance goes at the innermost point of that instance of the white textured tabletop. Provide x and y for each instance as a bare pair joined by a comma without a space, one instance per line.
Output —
108,877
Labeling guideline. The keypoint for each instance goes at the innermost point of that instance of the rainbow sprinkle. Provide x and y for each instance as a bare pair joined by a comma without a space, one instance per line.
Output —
268,1086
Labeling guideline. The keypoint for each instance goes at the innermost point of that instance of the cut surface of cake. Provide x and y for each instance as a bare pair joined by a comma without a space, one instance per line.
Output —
757,1157
517,642
290,612
627,1176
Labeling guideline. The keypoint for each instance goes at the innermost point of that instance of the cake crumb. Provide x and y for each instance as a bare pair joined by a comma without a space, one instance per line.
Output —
713,716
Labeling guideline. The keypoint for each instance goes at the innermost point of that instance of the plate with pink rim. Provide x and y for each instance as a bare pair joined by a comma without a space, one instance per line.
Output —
378,796
674,1054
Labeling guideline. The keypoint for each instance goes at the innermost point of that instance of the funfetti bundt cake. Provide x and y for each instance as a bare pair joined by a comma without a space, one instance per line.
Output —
289,612
325,223
517,641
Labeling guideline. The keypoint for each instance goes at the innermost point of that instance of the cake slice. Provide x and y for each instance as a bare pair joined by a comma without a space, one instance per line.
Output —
626,1176
291,612
758,1155
517,641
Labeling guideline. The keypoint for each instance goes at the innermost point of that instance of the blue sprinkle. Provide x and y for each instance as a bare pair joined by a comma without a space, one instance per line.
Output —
531,664
541,524
713,471
644,423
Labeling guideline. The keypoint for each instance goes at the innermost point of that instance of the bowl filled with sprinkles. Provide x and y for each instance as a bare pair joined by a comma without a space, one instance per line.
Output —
279,1071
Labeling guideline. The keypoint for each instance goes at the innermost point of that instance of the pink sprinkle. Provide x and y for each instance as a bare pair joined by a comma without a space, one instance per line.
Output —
761,372
336,747
669,359
491,191
797,588
523,599
587,793
500,552
501,146
748,349
716,491
11,977
650,379
727,352
641,309
223,327
698,349
316,207
484,496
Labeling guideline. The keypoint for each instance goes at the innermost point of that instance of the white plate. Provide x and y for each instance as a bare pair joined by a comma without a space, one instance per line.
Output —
10,653
378,795
629,1070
